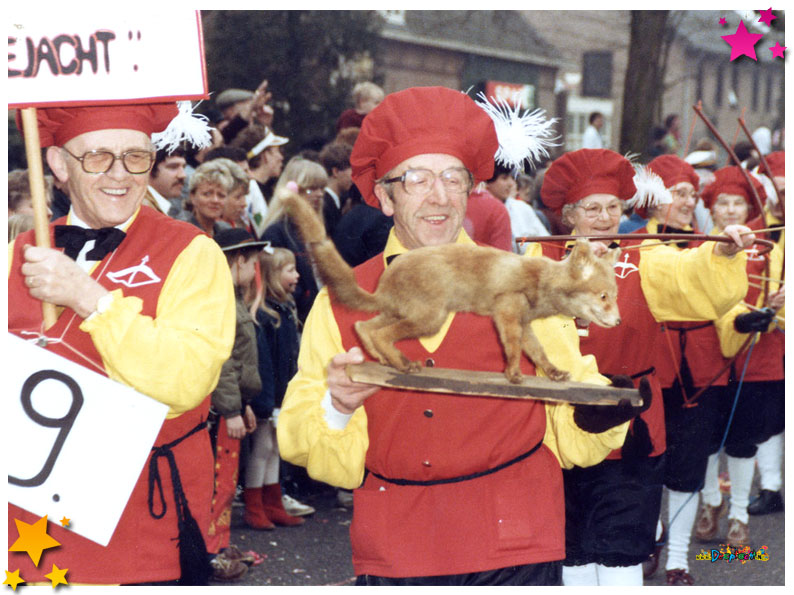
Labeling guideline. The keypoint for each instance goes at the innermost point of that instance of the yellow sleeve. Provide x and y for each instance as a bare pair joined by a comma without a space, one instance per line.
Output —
730,340
176,357
569,443
693,284
330,455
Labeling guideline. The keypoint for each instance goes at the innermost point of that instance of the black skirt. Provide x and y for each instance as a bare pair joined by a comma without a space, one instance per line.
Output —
611,510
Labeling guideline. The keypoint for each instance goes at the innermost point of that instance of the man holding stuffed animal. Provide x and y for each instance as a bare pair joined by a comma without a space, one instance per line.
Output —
451,490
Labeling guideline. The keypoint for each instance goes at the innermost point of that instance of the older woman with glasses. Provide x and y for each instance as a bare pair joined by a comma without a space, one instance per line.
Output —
612,508
759,400
311,179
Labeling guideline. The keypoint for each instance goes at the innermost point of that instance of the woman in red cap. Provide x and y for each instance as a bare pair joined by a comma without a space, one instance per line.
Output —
769,457
456,490
146,300
755,408
687,363
612,508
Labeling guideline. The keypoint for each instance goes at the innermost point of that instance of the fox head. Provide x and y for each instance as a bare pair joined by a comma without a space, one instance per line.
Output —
592,293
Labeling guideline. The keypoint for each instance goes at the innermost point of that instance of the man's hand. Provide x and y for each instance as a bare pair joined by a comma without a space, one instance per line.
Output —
235,427
346,395
742,237
249,418
599,418
756,321
53,277
256,109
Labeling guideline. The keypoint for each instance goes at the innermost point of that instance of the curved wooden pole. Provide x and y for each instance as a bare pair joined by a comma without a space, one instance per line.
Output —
697,237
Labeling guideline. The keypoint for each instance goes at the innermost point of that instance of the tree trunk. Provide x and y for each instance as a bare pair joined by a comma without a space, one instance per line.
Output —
644,79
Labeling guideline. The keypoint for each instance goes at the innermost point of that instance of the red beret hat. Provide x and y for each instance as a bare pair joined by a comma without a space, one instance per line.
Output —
673,170
422,120
731,180
584,172
776,162
57,125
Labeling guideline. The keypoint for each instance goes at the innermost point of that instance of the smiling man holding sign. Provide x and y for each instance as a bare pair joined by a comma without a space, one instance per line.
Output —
145,300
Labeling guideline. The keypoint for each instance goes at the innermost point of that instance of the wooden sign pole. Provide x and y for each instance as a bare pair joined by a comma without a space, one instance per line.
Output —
37,194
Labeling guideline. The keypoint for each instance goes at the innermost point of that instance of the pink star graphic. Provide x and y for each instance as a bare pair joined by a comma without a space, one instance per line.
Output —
767,17
723,22
742,42
777,50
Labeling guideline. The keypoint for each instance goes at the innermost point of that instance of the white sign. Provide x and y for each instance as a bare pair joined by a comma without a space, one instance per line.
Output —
78,440
71,57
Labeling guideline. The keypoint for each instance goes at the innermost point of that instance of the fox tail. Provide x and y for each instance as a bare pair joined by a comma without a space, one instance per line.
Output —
333,269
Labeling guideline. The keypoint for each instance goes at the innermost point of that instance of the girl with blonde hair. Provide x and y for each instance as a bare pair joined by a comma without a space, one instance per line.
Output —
273,310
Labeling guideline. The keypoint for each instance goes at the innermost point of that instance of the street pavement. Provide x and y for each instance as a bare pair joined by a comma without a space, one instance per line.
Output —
318,552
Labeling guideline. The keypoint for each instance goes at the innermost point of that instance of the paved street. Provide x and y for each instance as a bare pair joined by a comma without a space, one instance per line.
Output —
318,552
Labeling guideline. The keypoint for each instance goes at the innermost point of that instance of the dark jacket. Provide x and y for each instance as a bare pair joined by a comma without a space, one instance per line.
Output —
239,381
278,357
283,234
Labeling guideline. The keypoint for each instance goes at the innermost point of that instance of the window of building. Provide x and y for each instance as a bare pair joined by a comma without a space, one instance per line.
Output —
699,82
718,86
756,88
769,89
597,74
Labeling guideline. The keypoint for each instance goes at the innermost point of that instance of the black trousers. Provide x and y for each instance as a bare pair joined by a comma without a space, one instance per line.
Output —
544,573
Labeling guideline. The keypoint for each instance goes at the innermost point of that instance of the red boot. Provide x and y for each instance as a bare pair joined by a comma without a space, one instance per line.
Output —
274,507
255,516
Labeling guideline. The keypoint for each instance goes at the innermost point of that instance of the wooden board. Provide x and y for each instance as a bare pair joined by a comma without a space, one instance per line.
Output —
491,384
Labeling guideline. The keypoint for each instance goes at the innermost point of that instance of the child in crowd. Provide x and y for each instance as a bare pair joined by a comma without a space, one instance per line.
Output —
277,339
232,416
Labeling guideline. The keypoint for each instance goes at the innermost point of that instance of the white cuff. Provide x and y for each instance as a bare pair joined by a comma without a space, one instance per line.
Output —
335,419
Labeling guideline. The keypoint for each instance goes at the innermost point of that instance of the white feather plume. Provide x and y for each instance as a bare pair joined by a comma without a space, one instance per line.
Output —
186,126
521,136
651,191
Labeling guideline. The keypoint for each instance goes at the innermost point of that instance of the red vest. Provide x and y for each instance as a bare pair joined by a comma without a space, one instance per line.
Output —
511,517
142,549
627,349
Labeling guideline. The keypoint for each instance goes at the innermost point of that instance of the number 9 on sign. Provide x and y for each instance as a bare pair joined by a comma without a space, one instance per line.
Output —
62,424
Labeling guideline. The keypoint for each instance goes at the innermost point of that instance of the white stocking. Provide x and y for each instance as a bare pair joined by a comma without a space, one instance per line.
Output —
770,461
620,575
580,576
684,507
741,472
259,467
711,488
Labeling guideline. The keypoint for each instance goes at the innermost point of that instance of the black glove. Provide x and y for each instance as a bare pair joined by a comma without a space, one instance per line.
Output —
599,418
756,321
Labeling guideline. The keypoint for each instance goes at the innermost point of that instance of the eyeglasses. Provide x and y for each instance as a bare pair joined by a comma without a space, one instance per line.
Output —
419,182
684,194
136,161
593,211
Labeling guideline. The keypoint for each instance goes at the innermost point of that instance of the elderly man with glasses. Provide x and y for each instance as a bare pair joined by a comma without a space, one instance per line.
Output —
145,300
457,490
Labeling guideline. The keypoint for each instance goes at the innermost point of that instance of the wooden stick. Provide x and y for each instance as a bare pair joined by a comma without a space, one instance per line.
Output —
756,285
765,230
765,165
490,384
38,196
762,278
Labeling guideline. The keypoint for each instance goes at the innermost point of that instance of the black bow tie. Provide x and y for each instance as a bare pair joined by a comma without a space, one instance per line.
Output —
72,238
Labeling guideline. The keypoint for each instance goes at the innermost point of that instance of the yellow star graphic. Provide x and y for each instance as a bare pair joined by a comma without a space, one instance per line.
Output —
13,579
33,539
57,576
65,522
